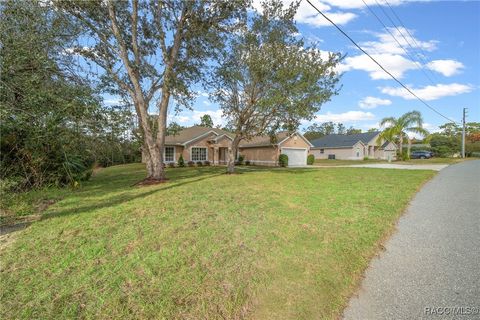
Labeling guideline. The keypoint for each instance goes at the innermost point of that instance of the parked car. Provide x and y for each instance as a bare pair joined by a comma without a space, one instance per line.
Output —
421,154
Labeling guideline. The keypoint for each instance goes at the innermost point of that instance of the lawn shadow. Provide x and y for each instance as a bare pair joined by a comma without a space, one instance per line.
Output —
178,179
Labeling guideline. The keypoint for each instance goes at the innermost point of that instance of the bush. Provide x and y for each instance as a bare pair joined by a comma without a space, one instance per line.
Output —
199,163
283,160
181,162
206,163
404,156
191,164
240,160
171,164
310,159
247,163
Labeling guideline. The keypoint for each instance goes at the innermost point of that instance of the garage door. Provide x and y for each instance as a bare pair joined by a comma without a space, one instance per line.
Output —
296,157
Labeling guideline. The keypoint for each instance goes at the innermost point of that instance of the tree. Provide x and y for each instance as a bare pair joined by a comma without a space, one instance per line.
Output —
46,114
206,121
267,80
352,130
372,130
397,129
174,128
341,128
316,130
151,52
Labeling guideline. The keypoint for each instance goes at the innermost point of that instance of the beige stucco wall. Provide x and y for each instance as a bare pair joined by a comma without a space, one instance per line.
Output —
340,153
295,142
390,152
261,155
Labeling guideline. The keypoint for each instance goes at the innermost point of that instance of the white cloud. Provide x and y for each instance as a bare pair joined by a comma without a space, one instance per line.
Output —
357,4
348,116
446,67
394,63
191,117
306,14
373,102
387,44
429,92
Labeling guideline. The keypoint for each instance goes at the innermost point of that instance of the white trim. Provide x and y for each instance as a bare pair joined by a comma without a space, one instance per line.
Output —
174,158
200,136
201,147
298,134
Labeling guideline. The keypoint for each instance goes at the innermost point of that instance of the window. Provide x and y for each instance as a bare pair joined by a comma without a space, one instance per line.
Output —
169,154
199,154
322,150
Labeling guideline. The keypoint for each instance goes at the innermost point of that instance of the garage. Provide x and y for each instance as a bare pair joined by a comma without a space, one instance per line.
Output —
296,156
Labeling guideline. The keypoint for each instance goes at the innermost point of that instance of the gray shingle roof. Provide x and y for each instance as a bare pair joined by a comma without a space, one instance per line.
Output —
341,140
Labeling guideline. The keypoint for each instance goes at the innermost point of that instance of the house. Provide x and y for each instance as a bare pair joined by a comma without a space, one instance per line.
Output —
353,147
263,151
211,144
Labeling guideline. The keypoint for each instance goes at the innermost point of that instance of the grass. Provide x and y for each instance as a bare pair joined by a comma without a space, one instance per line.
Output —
264,244
326,162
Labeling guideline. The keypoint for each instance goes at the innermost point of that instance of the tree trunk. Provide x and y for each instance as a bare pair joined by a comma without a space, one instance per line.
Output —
409,147
401,146
152,152
232,153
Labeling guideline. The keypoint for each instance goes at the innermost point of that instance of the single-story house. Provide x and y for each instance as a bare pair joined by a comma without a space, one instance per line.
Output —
199,143
263,151
353,147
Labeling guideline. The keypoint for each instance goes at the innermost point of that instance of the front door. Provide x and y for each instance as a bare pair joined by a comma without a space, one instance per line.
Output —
222,155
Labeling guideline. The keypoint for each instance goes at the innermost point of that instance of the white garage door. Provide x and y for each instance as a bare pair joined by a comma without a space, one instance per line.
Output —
296,157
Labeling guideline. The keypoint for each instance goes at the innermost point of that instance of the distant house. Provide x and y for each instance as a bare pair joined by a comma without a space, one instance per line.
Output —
353,147
211,144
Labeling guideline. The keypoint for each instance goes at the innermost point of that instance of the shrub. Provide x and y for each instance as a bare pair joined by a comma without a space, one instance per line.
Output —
171,164
283,160
206,163
181,162
240,160
247,163
365,158
404,156
310,159
199,163
191,164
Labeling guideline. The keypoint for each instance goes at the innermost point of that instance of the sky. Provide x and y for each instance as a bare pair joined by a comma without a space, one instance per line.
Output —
437,56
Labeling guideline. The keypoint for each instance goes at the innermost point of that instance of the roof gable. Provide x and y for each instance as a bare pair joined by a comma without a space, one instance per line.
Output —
194,133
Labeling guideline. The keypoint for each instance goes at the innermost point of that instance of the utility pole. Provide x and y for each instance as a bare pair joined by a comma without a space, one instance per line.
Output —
463,132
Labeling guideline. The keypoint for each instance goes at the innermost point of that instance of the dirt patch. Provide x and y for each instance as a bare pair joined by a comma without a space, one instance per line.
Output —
149,182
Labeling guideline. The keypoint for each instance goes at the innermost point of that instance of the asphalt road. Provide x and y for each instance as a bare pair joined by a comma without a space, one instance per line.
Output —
431,266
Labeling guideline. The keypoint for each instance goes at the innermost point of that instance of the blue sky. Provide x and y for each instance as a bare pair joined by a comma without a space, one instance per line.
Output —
447,32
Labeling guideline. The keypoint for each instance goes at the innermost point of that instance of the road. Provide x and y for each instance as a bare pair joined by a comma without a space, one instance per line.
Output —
431,266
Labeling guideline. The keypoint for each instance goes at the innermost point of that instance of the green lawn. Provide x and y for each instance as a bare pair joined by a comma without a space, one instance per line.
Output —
266,244
324,162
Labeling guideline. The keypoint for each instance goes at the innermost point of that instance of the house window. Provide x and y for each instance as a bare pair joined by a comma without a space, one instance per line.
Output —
322,150
169,154
199,154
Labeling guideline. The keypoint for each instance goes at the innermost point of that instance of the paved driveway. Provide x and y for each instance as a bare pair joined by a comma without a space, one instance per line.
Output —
436,167
431,266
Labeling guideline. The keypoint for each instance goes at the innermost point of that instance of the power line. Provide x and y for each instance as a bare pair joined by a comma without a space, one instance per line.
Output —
377,63
398,42
426,61
403,36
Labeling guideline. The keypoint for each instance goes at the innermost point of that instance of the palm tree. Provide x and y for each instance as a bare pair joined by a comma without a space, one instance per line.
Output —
397,129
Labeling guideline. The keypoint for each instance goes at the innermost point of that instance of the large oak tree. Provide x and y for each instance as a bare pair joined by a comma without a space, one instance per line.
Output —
152,51
268,80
